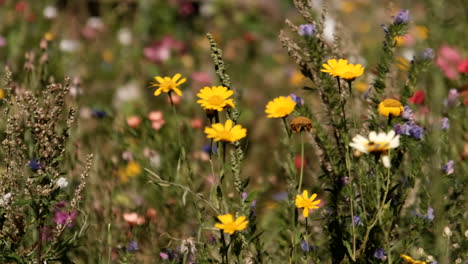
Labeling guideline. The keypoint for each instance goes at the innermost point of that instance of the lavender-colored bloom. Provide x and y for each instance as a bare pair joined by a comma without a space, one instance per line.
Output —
281,196
428,54
380,254
132,246
416,132
307,30
444,123
357,221
62,217
207,148
299,100
397,129
407,113
405,129
402,17
448,167
451,98
97,113
306,247
244,195
34,165
430,214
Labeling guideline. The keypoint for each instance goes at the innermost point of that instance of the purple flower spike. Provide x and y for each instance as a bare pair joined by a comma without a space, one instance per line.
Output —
430,214
402,17
407,113
416,132
299,100
445,123
132,246
307,30
380,254
306,247
448,167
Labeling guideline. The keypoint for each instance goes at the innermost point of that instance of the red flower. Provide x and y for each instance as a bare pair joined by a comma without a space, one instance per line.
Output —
20,7
418,97
297,162
463,66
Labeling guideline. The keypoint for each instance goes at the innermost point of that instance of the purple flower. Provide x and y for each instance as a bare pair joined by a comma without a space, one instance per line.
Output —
306,247
307,30
444,123
407,113
244,195
62,217
357,221
344,180
380,254
2,41
280,196
132,246
207,148
34,165
448,167
451,98
402,17
428,54
99,113
416,132
430,214
299,100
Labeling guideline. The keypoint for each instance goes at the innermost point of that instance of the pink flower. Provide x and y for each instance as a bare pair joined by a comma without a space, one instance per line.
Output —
196,123
155,116
463,66
134,121
201,78
160,51
175,99
133,219
157,125
448,60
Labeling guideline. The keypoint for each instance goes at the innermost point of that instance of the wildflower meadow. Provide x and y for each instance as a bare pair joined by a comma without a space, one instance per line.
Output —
234,131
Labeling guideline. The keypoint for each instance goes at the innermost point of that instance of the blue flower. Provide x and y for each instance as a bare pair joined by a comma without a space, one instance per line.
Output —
306,247
416,131
407,113
307,30
208,147
402,17
34,165
132,246
99,113
357,221
428,54
448,167
430,214
444,123
380,254
299,100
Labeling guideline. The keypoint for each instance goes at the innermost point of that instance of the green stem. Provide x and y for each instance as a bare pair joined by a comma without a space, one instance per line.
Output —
301,175
286,127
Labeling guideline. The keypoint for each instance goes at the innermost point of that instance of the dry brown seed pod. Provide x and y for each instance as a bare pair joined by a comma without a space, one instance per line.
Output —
300,123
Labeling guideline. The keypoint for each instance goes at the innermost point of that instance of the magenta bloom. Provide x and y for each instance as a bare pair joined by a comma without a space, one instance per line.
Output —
161,50
448,60
62,215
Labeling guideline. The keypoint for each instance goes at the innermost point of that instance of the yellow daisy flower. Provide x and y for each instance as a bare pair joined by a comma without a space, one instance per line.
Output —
229,225
377,143
131,170
215,98
350,71
168,84
391,107
306,202
226,132
280,107
410,260
334,67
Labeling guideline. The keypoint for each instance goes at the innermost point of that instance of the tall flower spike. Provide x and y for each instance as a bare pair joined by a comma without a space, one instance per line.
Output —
168,84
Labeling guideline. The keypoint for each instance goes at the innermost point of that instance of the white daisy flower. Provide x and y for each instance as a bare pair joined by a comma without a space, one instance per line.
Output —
378,143
62,183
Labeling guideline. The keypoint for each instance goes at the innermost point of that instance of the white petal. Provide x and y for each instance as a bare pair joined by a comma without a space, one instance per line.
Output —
390,135
381,137
372,136
386,161
395,142
359,147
